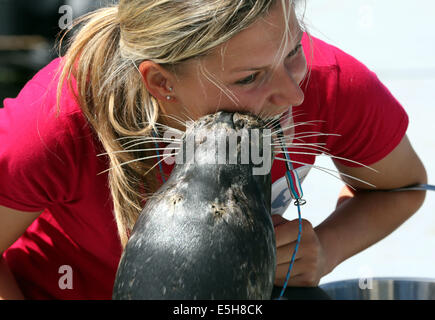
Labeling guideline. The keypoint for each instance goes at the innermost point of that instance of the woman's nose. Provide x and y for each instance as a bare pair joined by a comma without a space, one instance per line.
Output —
286,80
285,89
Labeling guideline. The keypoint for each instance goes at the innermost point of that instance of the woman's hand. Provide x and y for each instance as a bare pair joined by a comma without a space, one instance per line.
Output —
309,265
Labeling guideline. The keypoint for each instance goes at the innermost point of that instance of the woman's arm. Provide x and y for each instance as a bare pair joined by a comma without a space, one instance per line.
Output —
364,217
361,218
9,289
13,223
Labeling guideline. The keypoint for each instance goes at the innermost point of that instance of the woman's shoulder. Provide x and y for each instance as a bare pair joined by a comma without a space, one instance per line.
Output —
318,53
36,106
33,123
334,74
45,83
323,57
44,148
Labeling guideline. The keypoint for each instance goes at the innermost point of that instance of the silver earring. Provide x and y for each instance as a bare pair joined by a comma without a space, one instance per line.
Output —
169,97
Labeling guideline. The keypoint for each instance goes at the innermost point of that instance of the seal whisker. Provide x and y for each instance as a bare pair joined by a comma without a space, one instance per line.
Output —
292,144
132,137
297,124
275,122
138,150
284,116
163,159
330,156
271,122
139,142
311,122
151,139
301,133
165,126
298,134
318,145
157,124
267,117
140,137
304,146
187,115
309,135
140,159
324,169
157,138
136,143
180,121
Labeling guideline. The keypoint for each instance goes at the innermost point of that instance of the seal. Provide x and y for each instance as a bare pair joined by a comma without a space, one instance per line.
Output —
207,233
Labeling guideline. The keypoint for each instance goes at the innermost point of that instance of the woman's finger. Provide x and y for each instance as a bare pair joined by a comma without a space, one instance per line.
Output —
286,233
285,253
282,269
277,220
303,280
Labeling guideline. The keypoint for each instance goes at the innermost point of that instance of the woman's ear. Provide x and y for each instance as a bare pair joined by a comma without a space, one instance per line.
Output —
156,80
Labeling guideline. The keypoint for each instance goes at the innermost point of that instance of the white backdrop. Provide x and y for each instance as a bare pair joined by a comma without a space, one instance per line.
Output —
395,39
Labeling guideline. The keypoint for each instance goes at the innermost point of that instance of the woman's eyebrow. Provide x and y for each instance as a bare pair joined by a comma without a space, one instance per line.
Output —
239,69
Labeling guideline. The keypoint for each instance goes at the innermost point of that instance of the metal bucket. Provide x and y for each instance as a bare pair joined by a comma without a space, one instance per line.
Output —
381,289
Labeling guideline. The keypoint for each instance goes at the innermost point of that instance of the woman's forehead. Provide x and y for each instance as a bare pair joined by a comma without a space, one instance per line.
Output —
258,44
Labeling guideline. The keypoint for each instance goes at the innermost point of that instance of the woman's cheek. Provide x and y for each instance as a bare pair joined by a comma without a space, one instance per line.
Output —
256,98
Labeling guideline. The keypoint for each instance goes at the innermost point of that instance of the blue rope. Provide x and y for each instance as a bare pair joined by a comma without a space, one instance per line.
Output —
294,185
298,241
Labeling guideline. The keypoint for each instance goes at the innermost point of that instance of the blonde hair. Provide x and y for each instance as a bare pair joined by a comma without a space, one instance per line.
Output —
103,57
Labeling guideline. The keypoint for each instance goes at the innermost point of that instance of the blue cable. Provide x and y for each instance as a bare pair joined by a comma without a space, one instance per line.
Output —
296,193
298,241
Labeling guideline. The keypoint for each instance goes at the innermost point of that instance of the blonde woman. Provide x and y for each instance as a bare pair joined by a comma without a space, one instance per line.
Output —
63,224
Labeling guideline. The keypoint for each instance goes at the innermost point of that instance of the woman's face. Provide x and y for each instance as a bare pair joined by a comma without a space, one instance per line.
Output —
246,73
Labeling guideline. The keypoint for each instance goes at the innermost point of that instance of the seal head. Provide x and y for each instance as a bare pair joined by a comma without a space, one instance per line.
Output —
207,232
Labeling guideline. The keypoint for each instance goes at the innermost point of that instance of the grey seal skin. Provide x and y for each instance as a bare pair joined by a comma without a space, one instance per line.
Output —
207,233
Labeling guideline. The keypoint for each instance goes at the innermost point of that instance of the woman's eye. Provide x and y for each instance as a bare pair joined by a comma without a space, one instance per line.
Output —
294,51
248,80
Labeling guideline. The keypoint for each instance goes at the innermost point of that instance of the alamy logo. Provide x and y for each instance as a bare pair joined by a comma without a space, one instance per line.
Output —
65,21
365,278
244,147
66,280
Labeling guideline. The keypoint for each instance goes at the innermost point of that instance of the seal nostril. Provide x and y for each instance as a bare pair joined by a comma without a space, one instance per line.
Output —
219,212
176,199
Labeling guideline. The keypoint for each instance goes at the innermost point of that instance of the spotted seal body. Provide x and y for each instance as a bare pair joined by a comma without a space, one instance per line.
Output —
207,233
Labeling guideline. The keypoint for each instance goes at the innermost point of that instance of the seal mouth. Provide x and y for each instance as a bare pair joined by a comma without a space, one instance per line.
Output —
234,120
247,120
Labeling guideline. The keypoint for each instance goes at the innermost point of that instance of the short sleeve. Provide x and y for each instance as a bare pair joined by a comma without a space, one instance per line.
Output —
38,154
369,121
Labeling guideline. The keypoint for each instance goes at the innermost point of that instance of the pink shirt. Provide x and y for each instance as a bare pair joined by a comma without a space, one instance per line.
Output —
49,162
